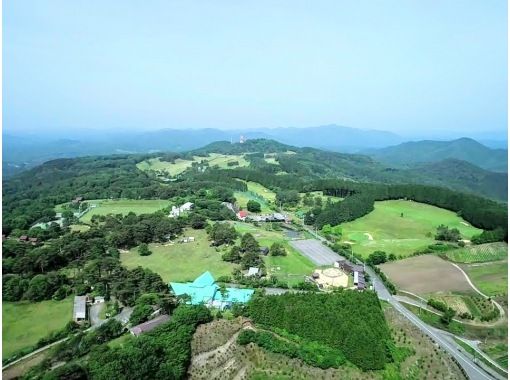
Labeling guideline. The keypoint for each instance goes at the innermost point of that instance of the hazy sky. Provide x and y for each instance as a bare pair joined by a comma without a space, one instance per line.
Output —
405,66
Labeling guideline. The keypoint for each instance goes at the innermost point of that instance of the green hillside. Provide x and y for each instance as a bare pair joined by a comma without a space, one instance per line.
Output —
466,149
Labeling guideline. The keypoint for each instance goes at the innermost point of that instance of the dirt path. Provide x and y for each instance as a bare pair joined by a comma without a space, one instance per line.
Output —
500,308
369,236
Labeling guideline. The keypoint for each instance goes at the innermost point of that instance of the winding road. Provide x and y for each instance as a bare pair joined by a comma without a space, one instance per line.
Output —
474,371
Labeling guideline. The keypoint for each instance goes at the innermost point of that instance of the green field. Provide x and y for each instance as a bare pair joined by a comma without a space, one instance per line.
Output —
181,262
291,268
24,323
401,235
264,192
490,278
479,253
180,165
242,199
124,206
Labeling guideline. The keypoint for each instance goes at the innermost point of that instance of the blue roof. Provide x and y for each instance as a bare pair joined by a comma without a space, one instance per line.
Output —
235,295
203,290
205,279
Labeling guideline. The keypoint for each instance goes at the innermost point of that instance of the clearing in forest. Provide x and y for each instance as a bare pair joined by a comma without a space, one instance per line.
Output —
123,206
426,274
24,323
179,165
180,261
401,227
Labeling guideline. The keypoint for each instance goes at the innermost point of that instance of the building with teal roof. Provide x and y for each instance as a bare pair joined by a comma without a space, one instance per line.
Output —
203,290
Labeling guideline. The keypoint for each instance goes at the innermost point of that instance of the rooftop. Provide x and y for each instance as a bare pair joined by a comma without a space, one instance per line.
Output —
149,325
204,290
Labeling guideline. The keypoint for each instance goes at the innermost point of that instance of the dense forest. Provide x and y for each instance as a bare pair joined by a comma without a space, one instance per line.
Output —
349,321
163,353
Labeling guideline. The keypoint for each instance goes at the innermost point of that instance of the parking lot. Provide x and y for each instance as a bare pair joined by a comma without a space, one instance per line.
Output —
316,251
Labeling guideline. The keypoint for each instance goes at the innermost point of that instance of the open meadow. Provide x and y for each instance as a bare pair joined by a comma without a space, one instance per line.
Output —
426,274
24,323
242,199
401,227
291,268
490,278
479,253
123,206
179,165
180,261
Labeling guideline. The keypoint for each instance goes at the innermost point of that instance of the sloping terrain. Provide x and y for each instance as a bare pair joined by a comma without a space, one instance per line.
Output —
415,152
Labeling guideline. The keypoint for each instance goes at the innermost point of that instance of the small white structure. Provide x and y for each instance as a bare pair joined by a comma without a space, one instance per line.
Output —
253,271
356,278
98,299
177,211
191,238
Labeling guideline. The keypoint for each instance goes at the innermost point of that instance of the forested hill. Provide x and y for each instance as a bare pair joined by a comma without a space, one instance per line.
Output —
411,153
312,163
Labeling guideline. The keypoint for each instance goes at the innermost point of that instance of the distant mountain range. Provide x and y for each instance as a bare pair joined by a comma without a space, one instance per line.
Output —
311,163
410,154
23,152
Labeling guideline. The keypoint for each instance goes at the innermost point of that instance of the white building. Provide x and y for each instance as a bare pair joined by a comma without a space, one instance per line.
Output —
177,211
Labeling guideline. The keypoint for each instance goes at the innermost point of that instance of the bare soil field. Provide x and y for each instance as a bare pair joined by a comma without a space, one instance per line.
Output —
426,274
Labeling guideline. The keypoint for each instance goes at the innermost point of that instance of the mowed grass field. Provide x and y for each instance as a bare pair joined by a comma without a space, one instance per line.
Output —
180,165
242,199
24,323
264,192
181,262
490,278
291,268
479,253
426,274
401,235
124,206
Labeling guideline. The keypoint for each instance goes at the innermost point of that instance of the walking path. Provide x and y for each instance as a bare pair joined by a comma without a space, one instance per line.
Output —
500,308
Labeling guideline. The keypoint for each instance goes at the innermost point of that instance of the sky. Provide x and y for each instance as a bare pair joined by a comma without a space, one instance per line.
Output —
410,67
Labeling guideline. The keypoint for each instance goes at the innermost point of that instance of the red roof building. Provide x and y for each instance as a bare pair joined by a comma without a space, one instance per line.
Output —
242,214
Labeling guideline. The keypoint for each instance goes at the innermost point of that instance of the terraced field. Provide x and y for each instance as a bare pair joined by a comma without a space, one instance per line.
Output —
479,253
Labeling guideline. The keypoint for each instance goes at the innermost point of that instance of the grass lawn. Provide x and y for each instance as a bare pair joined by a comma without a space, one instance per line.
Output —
490,278
124,206
79,228
242,199
264,192
401,235
24,323
181,262
291,268
180,165
479,253
120,341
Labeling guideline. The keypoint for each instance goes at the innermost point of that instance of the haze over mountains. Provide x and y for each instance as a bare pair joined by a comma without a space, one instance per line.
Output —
416,152
25,151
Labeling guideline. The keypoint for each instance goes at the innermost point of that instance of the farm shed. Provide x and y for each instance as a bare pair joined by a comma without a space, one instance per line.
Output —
80,308
149,325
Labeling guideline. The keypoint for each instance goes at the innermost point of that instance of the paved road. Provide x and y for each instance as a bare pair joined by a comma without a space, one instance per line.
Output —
316,251
473,371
